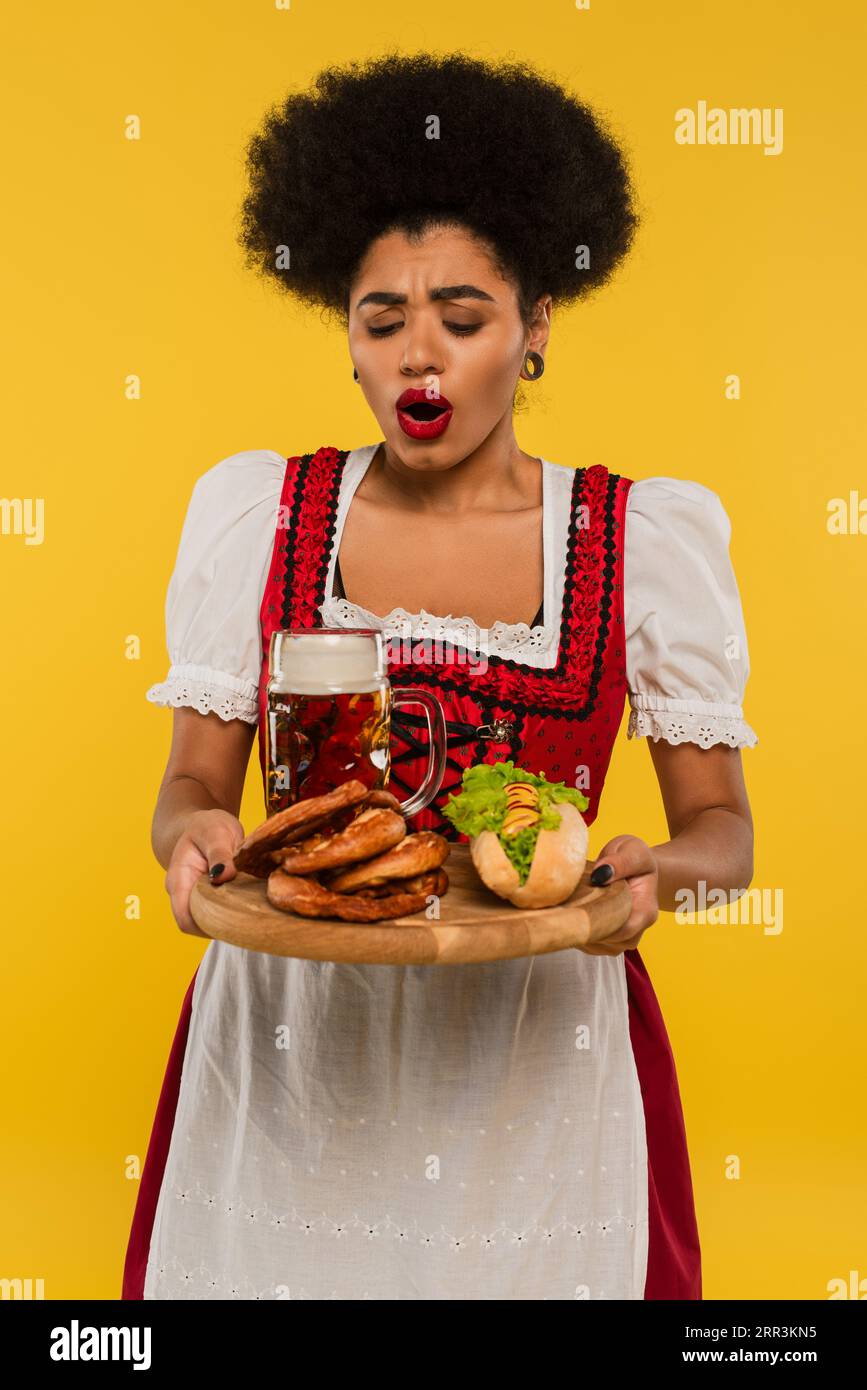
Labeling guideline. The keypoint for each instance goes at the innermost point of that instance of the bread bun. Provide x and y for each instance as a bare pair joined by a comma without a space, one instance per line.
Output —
558,862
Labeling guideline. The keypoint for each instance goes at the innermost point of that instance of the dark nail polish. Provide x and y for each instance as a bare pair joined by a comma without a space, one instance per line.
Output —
215,869
602,874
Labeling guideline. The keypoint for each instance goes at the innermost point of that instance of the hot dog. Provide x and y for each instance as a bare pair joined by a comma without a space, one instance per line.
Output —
528,839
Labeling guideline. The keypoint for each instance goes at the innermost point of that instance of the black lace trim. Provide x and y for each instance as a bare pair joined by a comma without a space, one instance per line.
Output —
330,526
290,540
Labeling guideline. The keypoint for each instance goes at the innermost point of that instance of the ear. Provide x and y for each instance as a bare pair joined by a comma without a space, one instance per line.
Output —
541,329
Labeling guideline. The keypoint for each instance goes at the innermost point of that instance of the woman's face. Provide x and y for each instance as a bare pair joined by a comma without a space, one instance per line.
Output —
465,346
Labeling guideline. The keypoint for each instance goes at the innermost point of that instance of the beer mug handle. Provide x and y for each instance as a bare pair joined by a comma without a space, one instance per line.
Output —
436,728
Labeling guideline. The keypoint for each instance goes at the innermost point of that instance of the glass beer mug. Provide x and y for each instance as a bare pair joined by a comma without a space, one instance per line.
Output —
329,707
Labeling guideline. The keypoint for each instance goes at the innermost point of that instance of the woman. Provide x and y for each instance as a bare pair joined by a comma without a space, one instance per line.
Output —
501,1131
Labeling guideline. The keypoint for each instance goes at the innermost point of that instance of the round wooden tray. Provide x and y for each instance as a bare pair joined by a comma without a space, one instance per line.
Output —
474,923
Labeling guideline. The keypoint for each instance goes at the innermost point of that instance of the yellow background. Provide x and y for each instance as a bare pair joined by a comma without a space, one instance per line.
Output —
119,257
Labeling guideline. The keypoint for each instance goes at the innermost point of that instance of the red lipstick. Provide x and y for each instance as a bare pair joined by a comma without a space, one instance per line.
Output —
422,415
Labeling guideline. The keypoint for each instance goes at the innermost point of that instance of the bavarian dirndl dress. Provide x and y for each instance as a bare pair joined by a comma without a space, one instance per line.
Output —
506,1130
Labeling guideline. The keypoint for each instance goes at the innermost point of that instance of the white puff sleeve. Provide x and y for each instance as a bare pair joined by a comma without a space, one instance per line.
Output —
215,593
687,660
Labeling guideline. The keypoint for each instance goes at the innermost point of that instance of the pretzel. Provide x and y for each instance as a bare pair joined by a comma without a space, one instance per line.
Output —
369,834
415,854
434,881
380,797
295,823
302,894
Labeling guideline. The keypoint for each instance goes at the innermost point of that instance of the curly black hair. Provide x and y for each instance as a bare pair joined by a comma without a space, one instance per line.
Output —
518,162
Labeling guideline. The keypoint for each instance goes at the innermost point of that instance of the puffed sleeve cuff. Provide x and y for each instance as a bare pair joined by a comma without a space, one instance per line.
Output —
688,721
213,602
206,690
687,658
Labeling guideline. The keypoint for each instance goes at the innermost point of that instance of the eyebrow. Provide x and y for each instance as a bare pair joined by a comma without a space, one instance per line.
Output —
442,292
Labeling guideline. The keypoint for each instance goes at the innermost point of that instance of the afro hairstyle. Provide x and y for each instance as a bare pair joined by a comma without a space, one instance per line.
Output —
516,160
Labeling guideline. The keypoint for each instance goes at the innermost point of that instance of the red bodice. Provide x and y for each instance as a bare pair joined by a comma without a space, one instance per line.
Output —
562,720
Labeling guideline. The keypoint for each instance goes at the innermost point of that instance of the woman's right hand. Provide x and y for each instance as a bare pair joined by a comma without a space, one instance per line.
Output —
211,838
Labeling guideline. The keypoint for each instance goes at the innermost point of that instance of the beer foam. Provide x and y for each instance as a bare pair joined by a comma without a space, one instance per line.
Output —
327,662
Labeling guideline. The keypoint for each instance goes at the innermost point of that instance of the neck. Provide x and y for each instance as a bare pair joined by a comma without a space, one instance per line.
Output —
496,476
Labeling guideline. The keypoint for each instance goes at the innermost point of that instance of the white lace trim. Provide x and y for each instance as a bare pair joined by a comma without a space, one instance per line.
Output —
688,721
207,690
515,640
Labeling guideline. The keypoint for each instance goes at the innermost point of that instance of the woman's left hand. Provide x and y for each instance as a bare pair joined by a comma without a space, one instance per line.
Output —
631,859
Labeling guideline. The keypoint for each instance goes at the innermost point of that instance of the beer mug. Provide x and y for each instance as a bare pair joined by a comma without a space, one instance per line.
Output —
329,707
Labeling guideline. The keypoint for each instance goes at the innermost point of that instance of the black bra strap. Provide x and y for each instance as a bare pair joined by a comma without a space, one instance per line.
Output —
339,591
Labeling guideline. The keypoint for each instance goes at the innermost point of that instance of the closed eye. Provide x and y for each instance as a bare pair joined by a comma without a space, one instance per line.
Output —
460,330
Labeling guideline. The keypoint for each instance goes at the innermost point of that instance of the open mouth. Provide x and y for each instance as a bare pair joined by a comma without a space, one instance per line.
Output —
421,417
423,410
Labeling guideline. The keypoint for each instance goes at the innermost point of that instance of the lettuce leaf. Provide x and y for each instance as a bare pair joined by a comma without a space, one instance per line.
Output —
481,805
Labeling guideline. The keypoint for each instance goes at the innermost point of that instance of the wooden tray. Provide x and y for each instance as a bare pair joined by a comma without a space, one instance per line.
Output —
474,925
